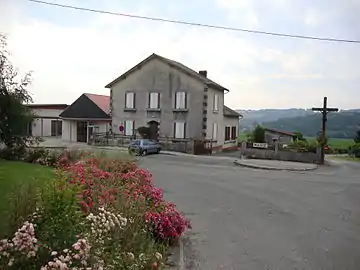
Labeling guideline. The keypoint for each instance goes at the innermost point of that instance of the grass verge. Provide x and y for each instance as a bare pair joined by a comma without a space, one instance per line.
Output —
347,158
15,176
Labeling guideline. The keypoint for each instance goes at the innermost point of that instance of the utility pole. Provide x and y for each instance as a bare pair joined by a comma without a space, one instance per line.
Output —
324,111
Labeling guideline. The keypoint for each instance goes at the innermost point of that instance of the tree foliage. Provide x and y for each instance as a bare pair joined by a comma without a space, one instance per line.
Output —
14,115
299,136
258,135
357,137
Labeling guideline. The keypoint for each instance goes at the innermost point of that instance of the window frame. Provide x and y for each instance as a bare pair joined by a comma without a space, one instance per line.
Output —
177,104
157,98
227,133
126,130
233,134
216,102
215,131
133,100
183,135
56,126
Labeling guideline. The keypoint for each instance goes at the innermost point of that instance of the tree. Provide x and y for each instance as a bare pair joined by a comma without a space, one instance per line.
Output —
258,134
14,115
357,137
299,136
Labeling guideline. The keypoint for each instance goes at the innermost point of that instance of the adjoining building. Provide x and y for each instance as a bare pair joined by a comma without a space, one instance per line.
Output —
47,122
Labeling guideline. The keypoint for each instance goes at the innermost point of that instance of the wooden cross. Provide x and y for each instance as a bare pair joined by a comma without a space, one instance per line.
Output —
324,111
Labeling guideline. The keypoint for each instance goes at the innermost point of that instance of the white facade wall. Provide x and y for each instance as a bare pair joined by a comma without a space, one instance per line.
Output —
42,126
69,131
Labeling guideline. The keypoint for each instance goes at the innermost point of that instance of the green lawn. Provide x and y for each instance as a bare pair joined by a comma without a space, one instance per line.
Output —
18,178
354,159
336,143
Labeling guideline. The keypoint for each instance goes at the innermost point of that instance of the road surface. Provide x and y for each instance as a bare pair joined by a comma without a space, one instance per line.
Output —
254,219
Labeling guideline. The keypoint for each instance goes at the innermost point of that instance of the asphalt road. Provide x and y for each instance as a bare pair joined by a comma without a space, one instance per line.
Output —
253,219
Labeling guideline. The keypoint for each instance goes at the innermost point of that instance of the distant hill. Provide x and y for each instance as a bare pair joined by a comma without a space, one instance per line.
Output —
340,125
253,117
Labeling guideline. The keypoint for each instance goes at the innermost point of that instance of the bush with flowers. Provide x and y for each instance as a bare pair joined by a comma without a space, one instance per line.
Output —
95,214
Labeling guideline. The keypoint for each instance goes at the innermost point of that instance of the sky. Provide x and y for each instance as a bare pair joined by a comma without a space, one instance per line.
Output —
73,52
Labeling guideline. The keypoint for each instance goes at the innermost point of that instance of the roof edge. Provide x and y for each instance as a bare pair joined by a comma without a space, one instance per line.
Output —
164,60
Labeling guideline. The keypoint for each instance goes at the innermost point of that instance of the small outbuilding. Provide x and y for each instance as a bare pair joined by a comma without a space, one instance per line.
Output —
89,114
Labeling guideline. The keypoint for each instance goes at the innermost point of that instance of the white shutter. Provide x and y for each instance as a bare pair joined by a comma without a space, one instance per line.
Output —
129,126
216,102
215,131
130,100
154,100
180,100
179,130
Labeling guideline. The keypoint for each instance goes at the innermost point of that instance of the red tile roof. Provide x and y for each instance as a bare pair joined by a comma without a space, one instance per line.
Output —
103,102
280,131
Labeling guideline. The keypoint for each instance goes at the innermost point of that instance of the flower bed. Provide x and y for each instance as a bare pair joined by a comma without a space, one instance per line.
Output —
95,214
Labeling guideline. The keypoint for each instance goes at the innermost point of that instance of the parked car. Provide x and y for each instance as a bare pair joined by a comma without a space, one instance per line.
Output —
144,147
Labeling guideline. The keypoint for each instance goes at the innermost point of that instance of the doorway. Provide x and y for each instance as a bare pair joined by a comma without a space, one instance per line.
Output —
153,130
81,131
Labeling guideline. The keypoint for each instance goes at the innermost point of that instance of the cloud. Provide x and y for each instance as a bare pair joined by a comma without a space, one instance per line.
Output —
71,52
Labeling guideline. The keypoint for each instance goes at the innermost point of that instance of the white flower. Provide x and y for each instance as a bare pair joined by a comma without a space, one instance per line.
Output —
54,253
158,256
130,255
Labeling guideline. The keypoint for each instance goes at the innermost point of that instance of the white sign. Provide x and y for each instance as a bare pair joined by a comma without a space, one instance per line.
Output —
260,145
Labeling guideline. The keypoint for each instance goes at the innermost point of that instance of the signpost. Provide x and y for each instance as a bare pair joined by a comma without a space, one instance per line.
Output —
324,111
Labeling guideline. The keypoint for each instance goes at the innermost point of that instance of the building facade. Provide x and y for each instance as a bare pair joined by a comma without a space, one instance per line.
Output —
283,137
173,100
47,122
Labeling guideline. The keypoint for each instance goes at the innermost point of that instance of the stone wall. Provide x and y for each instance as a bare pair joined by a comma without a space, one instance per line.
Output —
277,154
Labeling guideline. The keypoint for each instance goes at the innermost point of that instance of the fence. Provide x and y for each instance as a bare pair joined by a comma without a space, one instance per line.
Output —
278,152
197,147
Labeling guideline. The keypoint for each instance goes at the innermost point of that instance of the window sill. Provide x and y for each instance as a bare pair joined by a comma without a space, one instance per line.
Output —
180,110
153,109
129,109
230,141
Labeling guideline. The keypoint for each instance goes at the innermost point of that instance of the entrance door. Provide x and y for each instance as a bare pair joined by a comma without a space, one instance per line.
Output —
81,131
153,130
90,133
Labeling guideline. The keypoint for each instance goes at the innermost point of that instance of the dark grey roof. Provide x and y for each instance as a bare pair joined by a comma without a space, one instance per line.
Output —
175,64
230,112
84,108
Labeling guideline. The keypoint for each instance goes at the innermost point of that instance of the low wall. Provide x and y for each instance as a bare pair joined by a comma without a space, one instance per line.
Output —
280,155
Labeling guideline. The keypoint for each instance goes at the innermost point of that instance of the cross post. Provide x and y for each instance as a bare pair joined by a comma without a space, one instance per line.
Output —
324,111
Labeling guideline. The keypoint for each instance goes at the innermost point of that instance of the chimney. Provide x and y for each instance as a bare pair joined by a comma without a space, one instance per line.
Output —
203,73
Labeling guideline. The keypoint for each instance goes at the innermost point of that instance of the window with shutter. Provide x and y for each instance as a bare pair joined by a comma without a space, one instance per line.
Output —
216,102
227,133
215,131
233,133
130,100
154,100
129,127
180,100
179,130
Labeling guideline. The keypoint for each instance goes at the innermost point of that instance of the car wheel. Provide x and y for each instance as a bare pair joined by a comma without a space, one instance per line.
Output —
158,151
143,152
